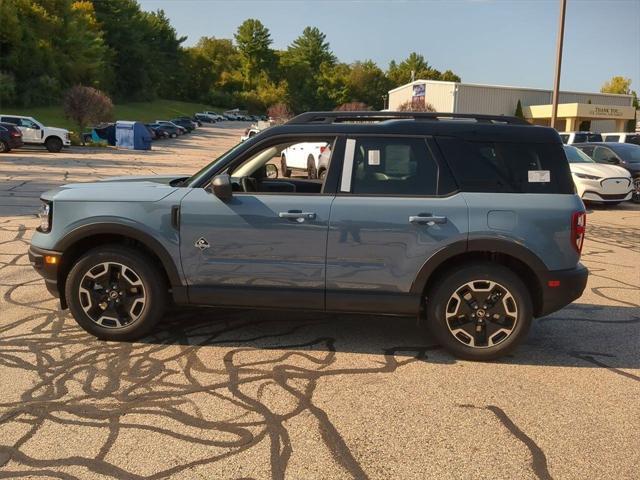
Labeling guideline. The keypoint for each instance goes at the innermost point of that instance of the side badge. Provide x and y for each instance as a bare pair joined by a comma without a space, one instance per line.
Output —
202,243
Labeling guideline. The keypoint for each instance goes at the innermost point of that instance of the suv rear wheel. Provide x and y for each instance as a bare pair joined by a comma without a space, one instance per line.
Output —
116,293
53,144
479,312
4,147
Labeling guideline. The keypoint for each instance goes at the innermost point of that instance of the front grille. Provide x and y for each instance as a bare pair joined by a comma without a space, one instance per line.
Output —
620,182
617,196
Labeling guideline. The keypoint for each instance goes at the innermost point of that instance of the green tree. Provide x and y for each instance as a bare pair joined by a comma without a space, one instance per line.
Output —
518,113
400,74
144,50
254,45
311,48
368,83
308,64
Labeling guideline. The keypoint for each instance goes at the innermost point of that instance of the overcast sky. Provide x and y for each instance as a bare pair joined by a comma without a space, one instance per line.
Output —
499,42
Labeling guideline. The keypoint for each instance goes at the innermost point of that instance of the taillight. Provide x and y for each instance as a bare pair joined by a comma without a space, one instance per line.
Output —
322,149
578,228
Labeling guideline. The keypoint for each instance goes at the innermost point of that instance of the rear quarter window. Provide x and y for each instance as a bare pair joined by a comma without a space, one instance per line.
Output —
506,167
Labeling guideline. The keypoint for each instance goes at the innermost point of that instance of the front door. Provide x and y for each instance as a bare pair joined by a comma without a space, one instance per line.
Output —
31,132
265,247
395,208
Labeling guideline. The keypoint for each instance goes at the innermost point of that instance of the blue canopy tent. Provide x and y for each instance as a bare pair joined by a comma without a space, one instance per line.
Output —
133,135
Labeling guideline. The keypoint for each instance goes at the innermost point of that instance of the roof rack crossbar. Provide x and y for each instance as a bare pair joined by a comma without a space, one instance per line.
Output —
370,116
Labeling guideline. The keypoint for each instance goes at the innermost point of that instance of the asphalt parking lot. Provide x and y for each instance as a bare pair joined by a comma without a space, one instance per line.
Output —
257,395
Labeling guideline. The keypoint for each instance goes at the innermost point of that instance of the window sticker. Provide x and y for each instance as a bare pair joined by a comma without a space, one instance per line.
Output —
374,157
539,176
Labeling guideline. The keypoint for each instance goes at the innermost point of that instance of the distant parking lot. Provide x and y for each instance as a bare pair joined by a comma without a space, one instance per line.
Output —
244,394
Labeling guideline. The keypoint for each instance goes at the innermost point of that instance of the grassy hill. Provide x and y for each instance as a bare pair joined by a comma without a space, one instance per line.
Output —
142,111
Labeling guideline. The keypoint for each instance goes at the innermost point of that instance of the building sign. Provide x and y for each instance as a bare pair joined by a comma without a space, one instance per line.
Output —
419,90
605,112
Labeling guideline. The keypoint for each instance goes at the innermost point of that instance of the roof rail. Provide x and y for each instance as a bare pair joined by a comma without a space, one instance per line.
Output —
373,116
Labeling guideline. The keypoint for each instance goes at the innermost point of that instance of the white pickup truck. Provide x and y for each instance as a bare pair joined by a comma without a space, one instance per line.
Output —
313,157
35,133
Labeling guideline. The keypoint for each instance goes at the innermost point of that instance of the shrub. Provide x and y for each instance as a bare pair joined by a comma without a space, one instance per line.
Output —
87,105
416,106
279,112
352,107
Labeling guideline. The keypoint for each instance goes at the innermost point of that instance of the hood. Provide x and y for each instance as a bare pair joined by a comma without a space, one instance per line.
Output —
118,189
60,131
599,170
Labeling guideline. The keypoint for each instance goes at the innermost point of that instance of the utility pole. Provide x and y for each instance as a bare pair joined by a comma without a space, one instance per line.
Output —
556,83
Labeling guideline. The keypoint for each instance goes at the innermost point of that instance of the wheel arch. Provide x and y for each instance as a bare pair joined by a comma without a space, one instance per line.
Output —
84,238
53,136
525,263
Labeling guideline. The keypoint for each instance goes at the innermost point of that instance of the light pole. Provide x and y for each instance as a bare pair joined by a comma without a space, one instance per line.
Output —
556,83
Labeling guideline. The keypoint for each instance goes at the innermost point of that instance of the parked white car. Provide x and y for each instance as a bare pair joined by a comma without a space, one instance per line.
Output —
621,137
597,182
212,116
579,137
249,132
305,156
35,133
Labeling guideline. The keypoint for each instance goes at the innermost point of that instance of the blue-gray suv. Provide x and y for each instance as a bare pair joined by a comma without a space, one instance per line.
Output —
468,222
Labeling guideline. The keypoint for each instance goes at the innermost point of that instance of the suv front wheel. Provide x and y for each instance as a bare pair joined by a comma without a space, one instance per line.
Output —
480,311
116,293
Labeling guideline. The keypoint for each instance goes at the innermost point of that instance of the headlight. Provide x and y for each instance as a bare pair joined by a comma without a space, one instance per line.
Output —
45,217
587,177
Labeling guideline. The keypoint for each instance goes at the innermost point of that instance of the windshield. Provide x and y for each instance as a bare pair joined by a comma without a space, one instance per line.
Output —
197,176
575,155
628,152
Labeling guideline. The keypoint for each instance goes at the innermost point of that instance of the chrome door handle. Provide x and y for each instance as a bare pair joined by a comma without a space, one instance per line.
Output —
300,216
427,219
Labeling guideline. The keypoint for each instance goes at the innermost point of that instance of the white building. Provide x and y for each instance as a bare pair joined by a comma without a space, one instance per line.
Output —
606,112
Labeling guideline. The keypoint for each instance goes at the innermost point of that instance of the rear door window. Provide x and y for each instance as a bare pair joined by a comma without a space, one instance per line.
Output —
612,138
505,167
392,166
635,139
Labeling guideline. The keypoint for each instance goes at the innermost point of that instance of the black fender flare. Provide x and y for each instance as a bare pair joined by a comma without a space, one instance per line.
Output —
478,244
111,228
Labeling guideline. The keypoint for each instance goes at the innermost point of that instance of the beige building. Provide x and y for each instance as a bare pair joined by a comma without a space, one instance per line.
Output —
599,112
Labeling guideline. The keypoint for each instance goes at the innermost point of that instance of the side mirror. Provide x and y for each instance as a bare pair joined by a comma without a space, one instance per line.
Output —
221,185
271,170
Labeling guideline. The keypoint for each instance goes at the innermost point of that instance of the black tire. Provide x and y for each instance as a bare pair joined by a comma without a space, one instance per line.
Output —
635,196
445,314
283,167
150,287
322,173
53,144
312,172
4,147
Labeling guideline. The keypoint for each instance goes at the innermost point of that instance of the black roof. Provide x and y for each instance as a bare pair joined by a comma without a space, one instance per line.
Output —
470,126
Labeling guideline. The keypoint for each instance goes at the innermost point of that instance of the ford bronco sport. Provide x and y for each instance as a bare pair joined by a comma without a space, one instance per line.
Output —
469,222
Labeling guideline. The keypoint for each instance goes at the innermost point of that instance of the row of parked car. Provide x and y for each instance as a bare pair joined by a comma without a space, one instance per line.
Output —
234,116
173,128
18,130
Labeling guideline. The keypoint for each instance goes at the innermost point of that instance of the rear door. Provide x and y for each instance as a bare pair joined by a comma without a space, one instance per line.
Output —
397,206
